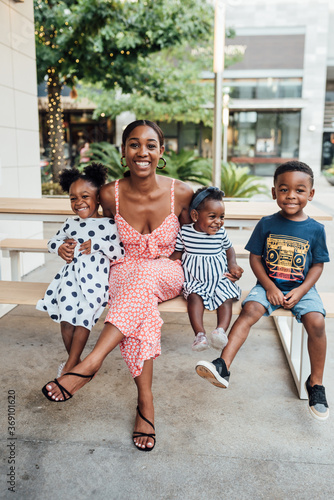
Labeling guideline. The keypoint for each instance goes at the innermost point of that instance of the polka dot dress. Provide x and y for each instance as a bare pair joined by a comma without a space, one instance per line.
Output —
79,292
139,282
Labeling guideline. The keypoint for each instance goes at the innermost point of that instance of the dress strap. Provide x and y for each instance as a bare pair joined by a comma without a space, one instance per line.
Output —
172,196
117,196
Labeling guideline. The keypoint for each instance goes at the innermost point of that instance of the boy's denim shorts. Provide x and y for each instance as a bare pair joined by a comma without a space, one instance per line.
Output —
310,302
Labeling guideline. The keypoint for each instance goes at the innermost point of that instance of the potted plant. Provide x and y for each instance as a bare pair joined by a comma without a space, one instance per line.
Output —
329,174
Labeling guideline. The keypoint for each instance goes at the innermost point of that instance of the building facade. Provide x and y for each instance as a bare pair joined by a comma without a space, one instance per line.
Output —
19,145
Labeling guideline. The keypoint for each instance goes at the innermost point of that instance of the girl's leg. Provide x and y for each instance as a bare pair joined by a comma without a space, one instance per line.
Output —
67,332
196,312
145,404
79,340
224,314
109,338
314,324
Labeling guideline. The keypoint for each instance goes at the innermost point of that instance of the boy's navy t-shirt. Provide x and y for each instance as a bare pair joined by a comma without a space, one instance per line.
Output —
288,248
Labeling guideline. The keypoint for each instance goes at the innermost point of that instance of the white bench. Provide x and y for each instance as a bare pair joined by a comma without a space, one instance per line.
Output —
12,248
291,333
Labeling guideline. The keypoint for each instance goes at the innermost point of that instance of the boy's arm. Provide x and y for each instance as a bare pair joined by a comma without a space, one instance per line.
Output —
274,294
297,293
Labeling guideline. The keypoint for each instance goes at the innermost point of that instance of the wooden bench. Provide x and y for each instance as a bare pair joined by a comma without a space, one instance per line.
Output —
12,248
291,333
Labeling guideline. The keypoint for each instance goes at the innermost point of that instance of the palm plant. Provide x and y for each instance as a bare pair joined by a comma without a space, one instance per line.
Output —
186,166
236,182
106,153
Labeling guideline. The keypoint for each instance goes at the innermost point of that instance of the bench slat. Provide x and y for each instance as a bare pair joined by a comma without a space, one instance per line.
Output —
28,293
24,245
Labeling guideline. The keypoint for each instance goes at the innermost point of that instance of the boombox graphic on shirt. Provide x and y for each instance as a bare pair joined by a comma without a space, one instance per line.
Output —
286,257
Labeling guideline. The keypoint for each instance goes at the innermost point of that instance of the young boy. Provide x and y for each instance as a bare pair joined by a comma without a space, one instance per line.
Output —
287,255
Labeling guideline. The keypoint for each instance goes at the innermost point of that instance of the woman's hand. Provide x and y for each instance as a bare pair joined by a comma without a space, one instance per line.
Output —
86,247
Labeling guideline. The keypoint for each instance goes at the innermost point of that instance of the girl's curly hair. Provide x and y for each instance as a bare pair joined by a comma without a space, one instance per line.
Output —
95,173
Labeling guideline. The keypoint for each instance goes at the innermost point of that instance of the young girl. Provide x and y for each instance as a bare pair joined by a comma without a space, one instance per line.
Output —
88,243
210,267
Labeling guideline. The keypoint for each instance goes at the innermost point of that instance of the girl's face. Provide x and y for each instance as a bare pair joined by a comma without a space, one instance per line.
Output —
210,218
84,199
142,150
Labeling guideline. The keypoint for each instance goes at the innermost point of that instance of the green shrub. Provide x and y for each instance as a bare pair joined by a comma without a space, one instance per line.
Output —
236,182
186,166
106,153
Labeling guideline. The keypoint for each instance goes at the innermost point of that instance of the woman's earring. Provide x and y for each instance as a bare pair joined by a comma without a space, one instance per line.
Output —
124,166
163,166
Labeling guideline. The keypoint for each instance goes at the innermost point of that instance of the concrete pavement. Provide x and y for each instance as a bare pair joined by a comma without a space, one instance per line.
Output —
254,440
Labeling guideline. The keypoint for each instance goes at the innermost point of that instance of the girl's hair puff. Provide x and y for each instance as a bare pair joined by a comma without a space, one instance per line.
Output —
95,173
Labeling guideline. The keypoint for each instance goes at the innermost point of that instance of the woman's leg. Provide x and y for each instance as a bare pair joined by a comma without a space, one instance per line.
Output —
145,404
196,312
224,314
109,338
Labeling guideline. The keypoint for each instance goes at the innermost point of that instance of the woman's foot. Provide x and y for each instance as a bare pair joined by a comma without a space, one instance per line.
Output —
142,426
71,383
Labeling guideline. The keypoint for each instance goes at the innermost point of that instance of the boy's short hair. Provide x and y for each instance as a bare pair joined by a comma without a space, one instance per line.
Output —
294,166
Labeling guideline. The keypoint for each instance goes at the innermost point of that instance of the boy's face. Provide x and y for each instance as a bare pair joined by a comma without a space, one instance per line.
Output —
292,191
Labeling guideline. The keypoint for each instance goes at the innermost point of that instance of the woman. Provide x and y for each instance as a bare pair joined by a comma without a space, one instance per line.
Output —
148,209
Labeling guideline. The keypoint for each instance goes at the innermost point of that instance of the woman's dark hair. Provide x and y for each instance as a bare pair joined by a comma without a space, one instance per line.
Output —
138,123
95,173
208,193
294,166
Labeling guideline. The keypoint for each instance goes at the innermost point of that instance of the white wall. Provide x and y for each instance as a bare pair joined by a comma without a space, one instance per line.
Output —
19,141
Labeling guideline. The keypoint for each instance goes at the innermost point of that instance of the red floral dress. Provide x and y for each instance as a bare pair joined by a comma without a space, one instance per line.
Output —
139,282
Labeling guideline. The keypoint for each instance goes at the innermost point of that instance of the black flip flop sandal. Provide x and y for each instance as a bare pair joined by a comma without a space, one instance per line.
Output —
143,434
65,393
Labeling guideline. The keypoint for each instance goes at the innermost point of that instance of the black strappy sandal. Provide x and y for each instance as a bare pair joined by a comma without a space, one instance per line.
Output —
143,434
65,393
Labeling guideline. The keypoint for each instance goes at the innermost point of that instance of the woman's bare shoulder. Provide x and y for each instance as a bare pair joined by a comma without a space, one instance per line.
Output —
183,191
107,198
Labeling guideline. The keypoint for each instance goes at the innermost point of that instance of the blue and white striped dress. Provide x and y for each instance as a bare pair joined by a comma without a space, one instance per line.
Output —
204,263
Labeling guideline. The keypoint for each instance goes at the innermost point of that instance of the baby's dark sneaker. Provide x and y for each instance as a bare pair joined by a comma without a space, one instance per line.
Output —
216,372
317,401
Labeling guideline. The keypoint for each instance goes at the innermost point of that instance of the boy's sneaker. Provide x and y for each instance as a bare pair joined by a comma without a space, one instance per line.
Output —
218,338
317,401
200,343
216,372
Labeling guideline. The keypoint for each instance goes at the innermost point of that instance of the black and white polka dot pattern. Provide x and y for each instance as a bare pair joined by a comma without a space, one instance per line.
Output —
79,292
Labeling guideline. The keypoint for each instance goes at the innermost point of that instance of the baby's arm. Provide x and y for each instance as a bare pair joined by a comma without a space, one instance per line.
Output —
274,294
297,293
235,271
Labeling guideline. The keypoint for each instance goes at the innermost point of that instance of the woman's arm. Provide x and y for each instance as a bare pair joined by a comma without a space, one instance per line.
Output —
182,194
107,199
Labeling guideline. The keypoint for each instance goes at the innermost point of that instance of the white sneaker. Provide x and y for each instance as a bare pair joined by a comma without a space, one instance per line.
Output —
60,369
200,343
218,338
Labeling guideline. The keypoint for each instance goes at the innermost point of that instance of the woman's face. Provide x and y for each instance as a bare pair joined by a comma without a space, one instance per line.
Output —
142,150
